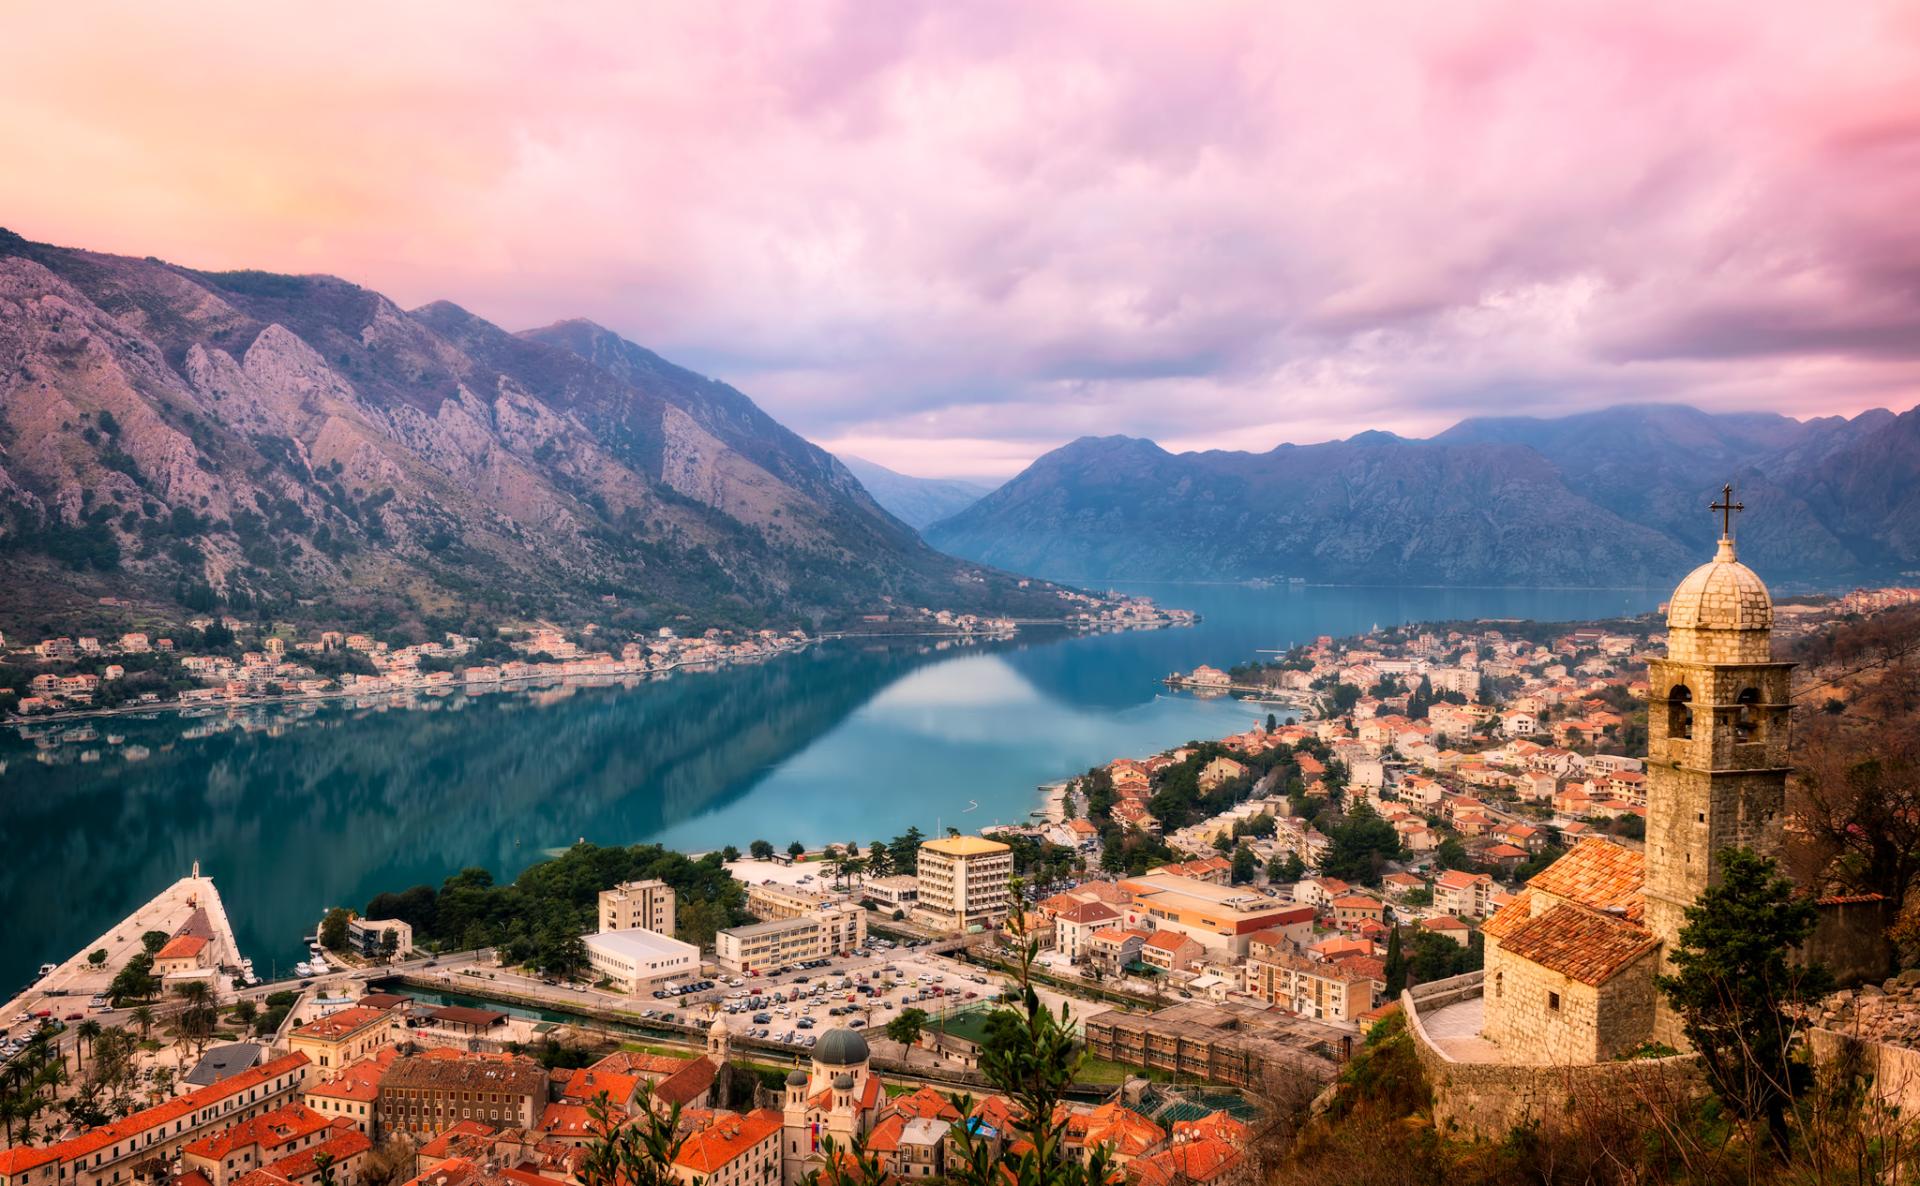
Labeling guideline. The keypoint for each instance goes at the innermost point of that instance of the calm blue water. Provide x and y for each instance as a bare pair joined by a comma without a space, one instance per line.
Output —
291,813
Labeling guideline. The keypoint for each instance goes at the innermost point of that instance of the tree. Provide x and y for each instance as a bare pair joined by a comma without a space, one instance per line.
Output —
1396,970
1245,864
729,854
333,929
1736,991
879,859
245,1013
142,1016
97,957
198,1015
1362,845
389,945
153,941
562,954
796,850
907,1027
761,850
631,1152
1273,722
905,850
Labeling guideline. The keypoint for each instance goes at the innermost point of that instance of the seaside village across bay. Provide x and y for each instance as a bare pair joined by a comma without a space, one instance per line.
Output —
1454,829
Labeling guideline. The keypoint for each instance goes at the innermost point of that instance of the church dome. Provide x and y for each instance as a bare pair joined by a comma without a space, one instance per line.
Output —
796,1078
718,1029
1721,613
843,1082
841,1048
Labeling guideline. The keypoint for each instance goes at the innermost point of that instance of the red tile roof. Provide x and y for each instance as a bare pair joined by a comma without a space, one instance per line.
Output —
181,947
711,1149
106,1136
1597,873
1581,944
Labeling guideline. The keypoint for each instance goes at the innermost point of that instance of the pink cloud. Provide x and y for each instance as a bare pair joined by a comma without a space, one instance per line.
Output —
974,231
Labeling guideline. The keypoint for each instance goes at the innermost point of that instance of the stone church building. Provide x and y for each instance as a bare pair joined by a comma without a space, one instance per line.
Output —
1571,961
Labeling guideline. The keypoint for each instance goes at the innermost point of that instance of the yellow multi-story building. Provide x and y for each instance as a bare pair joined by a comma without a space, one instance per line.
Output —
638,906
964,881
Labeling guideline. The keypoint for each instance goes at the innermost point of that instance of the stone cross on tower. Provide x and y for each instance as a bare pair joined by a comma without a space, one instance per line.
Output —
1726,506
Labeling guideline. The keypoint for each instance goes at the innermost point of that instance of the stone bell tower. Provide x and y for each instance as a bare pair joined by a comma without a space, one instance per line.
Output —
1717,720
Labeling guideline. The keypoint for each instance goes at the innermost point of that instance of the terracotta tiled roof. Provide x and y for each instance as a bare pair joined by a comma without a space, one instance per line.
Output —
1597,873
1197,1161
21,1158
588,1082
686,1084
269,1130
1219,1125
639,1062
107,1136
714,1147
885,1137
342,1022
1582,944
340,1146
926,1103
181,947
1126,1131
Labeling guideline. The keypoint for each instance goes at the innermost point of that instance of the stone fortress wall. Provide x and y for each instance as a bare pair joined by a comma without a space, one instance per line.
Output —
1487,1100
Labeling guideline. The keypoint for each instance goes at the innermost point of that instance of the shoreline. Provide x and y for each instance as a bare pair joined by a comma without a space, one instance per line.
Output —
544,680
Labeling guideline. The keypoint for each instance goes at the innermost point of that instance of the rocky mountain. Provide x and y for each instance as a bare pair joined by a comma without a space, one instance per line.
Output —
1611,498
917,502
303,446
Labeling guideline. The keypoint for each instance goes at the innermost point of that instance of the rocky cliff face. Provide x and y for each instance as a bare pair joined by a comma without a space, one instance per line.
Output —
301,443
1612,498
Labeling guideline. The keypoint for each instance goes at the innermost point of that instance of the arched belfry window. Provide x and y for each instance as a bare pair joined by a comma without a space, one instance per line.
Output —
1746,722
1680,712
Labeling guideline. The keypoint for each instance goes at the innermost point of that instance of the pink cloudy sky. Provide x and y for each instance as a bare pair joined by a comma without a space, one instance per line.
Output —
951,236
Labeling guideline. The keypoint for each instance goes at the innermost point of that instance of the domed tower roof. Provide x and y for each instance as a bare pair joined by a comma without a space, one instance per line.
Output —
841,1048
843,1082
1721,613
796,1078
718,1027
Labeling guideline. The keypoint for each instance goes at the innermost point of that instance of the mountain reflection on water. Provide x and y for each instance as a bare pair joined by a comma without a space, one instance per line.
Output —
291,809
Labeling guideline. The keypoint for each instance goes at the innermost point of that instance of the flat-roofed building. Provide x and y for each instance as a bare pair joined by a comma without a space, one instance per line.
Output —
638,905
368,936
963,881
1221,918
639,960
773,900
780,942
899,892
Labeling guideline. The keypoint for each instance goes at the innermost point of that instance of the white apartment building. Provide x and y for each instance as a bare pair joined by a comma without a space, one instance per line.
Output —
637,905
638,960
964,881
781,942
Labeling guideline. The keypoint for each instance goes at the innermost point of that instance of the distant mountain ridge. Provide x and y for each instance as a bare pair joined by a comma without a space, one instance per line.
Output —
302,445
917,502
1609,498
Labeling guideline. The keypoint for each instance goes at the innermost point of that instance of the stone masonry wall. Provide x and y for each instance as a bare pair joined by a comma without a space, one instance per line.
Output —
1486,1101
1591,1023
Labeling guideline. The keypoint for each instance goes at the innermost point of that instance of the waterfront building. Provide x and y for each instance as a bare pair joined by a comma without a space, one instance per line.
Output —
964,881
365,936
640,960
638,905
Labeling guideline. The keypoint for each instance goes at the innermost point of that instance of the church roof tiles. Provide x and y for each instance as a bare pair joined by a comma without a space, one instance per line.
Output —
1581,944
1599,874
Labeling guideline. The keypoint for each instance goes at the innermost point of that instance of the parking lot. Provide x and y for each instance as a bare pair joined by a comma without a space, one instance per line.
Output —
858,992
